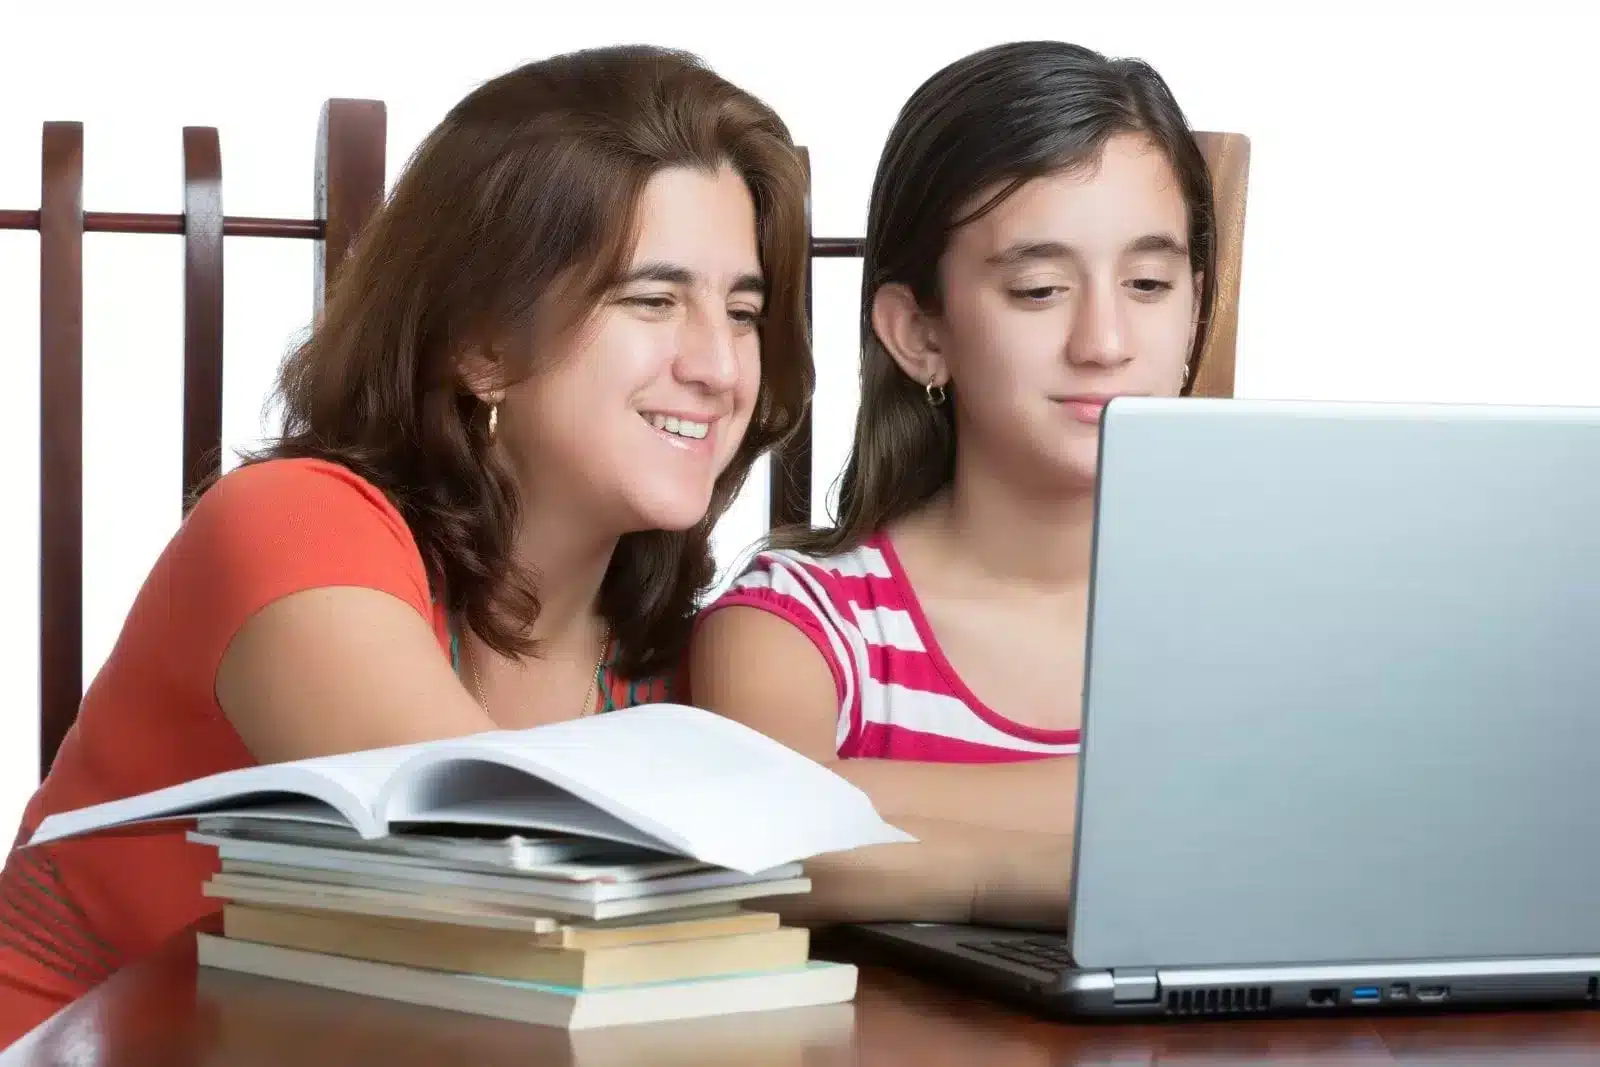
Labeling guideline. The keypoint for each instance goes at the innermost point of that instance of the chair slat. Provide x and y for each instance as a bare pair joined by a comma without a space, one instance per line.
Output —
1228,157
789,466
61,436
351,164
202,307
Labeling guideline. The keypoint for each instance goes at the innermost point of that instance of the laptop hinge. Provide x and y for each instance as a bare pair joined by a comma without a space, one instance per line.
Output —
1137,984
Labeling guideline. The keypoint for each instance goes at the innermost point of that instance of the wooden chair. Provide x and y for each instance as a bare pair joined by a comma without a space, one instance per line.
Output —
349,186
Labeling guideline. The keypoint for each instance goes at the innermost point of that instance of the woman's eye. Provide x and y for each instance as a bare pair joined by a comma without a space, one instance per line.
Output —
1150,285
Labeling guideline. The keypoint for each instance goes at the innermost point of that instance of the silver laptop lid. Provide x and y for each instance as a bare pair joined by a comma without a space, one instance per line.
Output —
1343,685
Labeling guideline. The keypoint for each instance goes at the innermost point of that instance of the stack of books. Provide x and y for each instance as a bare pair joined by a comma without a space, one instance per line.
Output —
605,871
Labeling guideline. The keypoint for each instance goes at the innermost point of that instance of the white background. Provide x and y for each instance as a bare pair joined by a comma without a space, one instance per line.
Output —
1423,221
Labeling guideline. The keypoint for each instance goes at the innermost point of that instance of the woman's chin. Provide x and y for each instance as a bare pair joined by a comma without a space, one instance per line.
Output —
661,508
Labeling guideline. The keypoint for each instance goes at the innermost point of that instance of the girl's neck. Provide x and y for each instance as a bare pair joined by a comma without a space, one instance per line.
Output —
1013,537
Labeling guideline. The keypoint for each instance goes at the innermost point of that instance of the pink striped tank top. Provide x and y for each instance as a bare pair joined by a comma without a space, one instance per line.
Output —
899,697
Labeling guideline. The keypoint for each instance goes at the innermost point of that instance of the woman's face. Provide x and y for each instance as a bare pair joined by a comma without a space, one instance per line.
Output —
1076,289
630,423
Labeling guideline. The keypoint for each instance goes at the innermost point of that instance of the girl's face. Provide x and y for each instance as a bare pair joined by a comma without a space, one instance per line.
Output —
1076,289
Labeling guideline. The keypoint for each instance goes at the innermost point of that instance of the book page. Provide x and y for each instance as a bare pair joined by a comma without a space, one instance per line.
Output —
447,845
619,864
705,786
337,790
562,884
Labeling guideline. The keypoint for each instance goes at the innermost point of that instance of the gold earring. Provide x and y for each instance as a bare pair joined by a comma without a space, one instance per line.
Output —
935,393
494,419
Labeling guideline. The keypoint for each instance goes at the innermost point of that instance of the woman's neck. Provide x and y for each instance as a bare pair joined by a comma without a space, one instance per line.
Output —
568,565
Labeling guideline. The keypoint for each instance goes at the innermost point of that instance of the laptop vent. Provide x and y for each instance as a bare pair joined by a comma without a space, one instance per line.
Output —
1220,1001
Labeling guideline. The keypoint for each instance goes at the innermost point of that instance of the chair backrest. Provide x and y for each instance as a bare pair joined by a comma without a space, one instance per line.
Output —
349,186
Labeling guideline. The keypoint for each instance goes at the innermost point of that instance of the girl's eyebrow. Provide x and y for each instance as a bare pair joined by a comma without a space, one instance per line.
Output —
1025,250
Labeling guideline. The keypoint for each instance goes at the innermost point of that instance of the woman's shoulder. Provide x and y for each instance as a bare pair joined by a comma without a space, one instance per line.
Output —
291,514
294,486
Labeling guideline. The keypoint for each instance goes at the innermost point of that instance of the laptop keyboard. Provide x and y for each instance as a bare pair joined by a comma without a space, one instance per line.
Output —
1046,953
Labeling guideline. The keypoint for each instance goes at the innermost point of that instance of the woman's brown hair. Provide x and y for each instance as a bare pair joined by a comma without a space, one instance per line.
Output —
520,206
994,120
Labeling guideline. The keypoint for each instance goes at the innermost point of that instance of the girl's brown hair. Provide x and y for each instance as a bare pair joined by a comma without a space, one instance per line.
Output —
994,120
520,206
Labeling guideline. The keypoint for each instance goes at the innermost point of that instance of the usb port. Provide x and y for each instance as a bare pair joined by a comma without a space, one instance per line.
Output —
1432,992
1366,994
1399,991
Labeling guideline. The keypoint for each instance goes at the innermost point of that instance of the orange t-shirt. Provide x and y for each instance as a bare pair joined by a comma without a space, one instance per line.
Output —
74,911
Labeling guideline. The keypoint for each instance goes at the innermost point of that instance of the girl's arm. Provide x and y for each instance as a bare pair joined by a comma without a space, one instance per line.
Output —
994,840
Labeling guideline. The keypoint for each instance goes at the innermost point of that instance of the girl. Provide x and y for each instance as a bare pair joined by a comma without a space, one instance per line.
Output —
551,363
1040,239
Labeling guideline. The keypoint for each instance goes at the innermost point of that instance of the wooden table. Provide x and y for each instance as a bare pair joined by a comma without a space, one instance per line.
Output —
166,1012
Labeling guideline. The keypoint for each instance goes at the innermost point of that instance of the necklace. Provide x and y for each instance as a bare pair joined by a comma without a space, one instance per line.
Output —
589,689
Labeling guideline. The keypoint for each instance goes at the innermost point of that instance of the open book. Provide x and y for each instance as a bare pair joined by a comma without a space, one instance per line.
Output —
663,777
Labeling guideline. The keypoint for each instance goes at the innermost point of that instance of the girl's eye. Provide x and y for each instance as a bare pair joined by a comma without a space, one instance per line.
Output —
1037,292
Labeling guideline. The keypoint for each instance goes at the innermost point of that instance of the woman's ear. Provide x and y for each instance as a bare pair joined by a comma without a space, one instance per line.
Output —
479,368
909,334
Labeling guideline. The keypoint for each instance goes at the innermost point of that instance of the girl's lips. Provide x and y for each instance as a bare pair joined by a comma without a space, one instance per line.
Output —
1086,409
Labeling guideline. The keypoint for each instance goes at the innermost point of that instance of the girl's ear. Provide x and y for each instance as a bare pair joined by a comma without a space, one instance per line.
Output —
909,334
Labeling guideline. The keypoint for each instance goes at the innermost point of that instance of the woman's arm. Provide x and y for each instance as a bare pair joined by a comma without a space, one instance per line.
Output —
294,595
330,670
994,840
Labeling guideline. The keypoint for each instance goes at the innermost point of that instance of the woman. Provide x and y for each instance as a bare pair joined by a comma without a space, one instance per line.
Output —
543,376
1040,238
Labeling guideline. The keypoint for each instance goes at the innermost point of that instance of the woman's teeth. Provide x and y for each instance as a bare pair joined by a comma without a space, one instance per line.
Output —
680,427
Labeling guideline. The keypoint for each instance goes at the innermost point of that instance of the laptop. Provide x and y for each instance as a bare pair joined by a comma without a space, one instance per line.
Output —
1341,719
